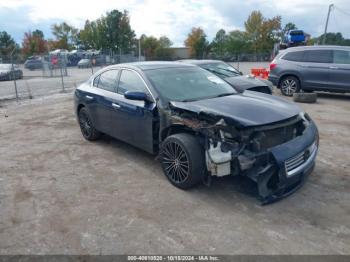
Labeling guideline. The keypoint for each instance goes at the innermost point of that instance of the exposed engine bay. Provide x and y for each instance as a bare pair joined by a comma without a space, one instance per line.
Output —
231,149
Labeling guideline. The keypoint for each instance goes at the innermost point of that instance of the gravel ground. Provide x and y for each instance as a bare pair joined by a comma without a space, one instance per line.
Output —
60,194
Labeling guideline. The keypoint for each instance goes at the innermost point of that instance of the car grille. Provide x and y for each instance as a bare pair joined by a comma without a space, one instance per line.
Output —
278,136
299,159
295,161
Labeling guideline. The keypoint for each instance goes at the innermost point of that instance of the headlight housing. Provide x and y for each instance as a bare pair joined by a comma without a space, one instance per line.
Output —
306,118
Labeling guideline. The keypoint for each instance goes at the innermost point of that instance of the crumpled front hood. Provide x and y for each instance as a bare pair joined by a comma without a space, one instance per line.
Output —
242,83
246,109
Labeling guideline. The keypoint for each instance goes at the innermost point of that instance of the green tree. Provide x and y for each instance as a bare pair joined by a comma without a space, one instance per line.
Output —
112,31
219,43
149,44
236,42
153,48
65,34
165,42
289,26
197,42
331,39
253,28
91,36
38,33
270,33
33,43
7,43
262,33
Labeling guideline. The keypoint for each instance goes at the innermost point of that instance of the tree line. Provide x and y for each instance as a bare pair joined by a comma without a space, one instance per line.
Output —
112,31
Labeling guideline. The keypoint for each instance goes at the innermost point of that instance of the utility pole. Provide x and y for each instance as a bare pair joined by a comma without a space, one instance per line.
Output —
325,28
13,73
140,48
61,70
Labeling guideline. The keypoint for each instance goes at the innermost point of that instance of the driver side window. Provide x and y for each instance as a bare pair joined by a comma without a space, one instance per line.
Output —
131,81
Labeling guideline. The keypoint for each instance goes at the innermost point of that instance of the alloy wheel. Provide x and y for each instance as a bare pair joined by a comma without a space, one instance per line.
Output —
175,162
85,124
289,87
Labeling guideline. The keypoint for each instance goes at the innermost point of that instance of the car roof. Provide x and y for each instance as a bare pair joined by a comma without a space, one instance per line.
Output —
149,65
199,62
317,47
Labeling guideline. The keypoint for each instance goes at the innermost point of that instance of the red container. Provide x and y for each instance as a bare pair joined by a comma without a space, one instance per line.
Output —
260,72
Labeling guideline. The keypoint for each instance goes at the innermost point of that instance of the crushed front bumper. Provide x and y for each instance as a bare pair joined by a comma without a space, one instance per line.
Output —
290,164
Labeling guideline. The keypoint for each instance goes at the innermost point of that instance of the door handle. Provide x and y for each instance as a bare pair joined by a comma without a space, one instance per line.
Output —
89,97
333,67
115,105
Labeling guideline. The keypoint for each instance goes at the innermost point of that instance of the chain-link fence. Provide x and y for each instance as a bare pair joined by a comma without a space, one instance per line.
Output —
54,72
61,71
243,57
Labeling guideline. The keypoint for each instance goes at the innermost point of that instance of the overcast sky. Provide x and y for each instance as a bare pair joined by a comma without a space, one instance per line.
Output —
173,18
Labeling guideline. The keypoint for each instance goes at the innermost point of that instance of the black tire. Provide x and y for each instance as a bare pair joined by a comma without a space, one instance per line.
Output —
289,85
87,128
182,159
305,97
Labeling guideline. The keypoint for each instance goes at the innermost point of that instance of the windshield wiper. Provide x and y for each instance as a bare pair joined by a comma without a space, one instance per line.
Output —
228,70
217,72
225,94
190,100
208,97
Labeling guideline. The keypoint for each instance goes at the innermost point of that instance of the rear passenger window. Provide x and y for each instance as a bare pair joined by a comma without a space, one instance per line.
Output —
108,80
318,56
294,56
341,57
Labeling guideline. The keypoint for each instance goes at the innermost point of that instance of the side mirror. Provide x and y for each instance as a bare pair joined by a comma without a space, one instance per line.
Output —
136,95
240,72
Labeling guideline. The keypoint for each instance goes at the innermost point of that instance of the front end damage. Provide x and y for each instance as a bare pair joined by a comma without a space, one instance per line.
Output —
277,156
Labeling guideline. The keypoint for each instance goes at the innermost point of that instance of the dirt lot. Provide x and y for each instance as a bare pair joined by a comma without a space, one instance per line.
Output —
60,194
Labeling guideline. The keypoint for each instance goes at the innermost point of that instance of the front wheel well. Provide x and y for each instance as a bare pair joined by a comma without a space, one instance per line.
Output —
80,106
175,129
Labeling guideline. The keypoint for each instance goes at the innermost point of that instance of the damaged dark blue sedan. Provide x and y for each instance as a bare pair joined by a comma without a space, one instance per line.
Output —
199,127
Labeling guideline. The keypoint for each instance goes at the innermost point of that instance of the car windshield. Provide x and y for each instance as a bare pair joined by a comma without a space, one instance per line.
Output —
221,69
5,67
188,84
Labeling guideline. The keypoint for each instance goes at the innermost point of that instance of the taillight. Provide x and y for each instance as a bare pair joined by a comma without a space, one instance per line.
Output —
272,66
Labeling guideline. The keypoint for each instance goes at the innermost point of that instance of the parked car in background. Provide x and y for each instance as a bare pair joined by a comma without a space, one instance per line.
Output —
232,76
199,126
75,56
84,63
7,72
294,38
33,63
312,68
62,52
